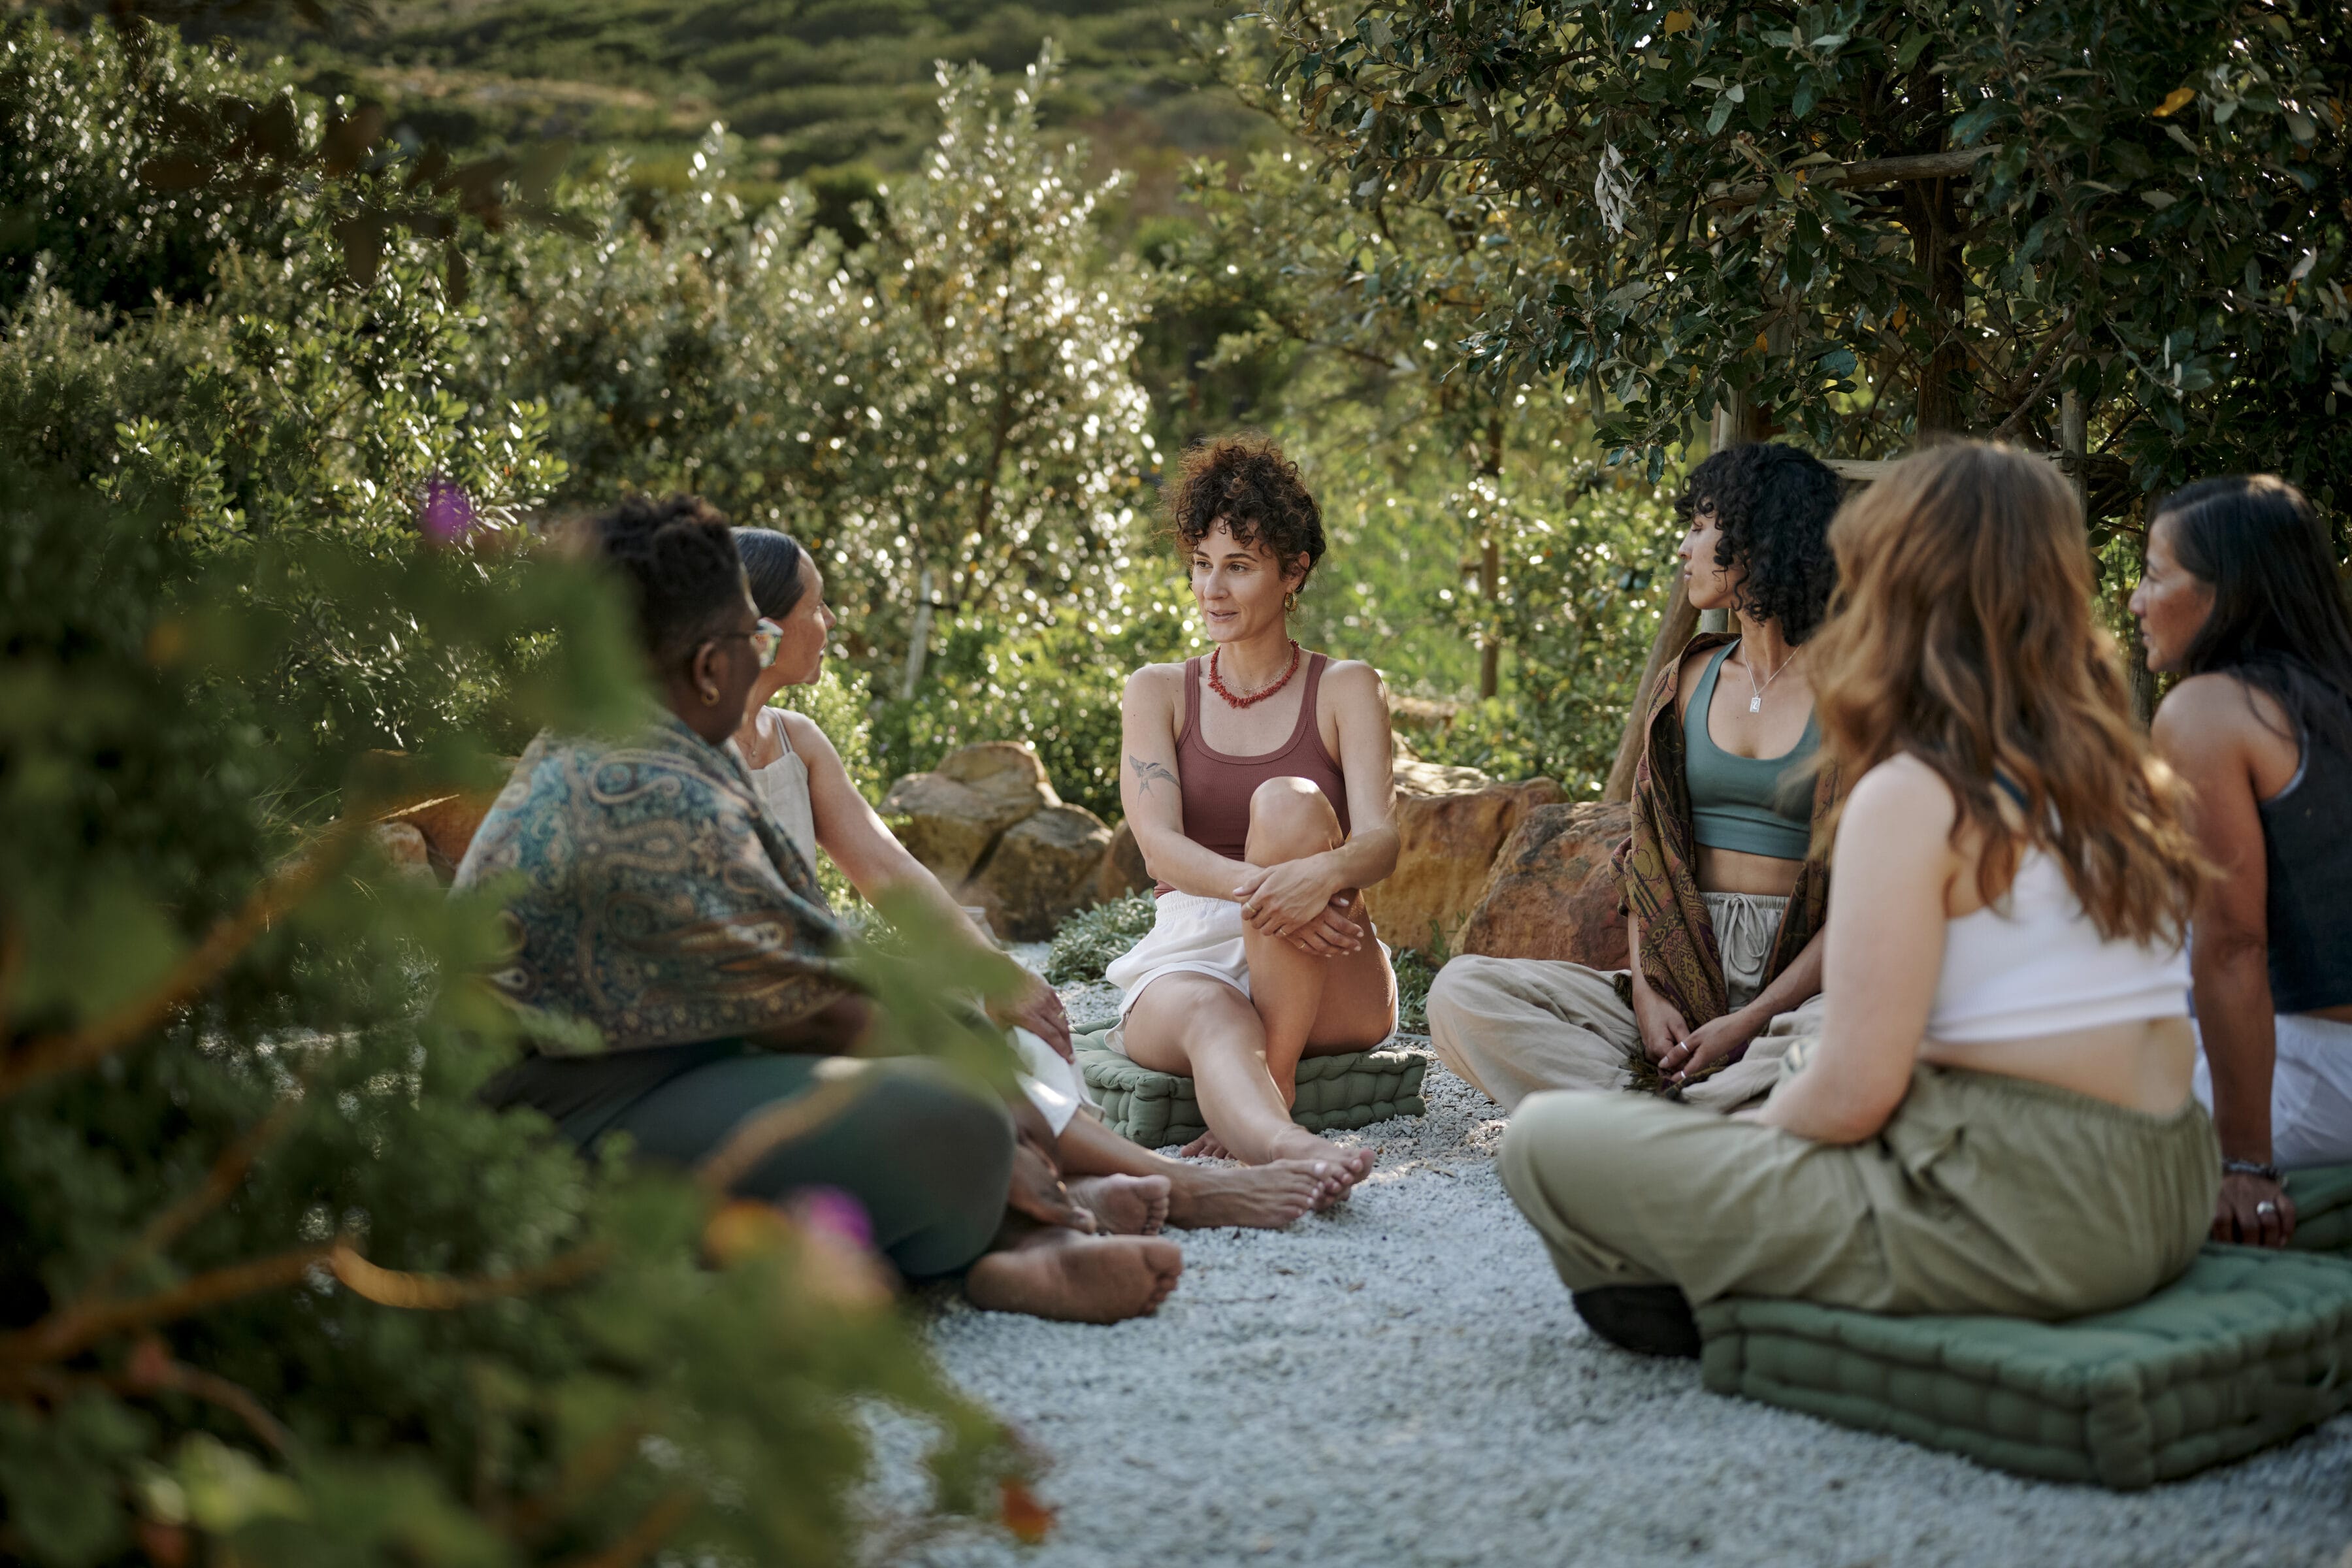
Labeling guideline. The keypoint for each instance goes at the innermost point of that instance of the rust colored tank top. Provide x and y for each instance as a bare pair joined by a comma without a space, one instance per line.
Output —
1217,788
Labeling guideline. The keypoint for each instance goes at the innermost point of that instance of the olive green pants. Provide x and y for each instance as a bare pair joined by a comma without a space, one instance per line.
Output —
1982,1194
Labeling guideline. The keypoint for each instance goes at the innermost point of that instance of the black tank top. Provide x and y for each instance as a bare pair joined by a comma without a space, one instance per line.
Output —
2307,844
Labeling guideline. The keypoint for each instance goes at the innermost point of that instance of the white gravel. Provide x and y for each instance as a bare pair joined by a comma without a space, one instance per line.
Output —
1404,1382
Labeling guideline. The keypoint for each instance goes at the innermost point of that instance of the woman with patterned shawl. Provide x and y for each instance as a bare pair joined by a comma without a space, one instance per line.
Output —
1725,892
673,948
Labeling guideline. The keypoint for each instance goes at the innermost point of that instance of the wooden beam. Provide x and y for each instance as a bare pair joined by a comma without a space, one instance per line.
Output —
1864,470
1674,629
1867,172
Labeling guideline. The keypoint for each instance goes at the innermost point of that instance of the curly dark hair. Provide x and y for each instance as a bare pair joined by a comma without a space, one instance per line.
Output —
1773,504
1245,482
679,559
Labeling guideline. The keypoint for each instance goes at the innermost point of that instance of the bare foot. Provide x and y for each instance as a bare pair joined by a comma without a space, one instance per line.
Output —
1261,1197
1124,1206
1352,1165
1038,1193
1207,1146
1058,1273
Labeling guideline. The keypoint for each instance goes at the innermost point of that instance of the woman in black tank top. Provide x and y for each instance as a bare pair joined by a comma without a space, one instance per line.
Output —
2241,600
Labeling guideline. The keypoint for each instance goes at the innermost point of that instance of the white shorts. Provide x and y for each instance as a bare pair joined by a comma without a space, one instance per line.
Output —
1189,934
2311,1091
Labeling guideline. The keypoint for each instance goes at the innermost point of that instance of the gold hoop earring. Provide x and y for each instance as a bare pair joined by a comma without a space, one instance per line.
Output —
1290,600
710,697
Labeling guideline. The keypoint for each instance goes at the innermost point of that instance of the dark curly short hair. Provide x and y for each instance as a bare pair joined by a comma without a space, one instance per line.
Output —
1773,504
677,557
1245,482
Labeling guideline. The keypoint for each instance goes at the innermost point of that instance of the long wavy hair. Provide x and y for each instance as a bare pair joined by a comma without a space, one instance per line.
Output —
1961,634
2279,621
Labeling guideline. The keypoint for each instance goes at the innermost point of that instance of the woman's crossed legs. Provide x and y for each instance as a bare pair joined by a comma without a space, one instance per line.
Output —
1243,1052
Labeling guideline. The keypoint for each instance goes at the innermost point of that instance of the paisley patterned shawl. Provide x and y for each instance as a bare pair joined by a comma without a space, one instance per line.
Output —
650,895
1658,867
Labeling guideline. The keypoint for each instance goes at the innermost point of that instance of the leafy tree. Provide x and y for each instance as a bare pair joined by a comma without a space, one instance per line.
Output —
945,415
273,1288
1868,223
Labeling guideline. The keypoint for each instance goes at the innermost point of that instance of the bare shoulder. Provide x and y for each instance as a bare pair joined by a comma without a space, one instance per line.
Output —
1354,681
805,735
1156,684
1903,793
2209,714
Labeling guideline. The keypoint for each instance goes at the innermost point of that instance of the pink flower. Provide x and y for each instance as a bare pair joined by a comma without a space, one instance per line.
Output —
834,1212
447,515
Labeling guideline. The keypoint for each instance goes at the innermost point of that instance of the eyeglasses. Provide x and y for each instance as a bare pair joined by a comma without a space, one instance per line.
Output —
765,638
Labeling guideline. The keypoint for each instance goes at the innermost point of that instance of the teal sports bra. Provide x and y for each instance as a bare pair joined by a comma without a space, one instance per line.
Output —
1751,804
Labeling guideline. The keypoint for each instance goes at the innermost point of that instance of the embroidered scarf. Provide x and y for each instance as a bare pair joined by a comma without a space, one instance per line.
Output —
1658,867
649,893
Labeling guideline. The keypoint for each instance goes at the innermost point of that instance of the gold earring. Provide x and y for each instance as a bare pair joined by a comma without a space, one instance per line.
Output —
1290,600
710,697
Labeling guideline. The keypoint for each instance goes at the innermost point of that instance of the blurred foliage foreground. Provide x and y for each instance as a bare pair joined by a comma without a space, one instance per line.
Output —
274,1290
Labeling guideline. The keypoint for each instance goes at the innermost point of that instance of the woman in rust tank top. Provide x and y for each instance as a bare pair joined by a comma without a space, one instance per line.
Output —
1257,782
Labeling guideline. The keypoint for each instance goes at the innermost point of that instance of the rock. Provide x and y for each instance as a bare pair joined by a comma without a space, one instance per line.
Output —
947,818
1552,893
1122,870
1451,821
447,823
403,846
1007,770
1040,871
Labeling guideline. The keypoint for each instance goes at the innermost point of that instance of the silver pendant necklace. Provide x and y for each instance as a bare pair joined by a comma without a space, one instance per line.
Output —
1756,702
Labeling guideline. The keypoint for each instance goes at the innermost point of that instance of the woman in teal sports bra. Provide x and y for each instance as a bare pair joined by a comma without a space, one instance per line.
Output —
1723,895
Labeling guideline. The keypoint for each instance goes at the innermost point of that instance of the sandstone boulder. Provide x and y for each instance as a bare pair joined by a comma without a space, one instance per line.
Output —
1122,870
949,817
1041,869
1450,822
447,823
403,849
1552,893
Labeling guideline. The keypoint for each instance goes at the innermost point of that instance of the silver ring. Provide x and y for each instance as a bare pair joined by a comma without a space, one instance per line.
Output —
2266,1206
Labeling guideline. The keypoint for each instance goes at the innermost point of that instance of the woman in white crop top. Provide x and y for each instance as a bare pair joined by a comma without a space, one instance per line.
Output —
803,782
1997,1116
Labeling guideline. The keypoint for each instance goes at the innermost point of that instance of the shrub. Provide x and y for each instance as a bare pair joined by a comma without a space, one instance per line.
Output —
1089,939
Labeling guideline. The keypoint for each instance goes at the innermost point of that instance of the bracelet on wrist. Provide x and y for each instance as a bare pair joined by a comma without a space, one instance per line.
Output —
2263,1168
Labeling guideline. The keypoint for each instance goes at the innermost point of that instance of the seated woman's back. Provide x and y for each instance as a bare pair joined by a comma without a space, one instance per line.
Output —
2025,983
2013,870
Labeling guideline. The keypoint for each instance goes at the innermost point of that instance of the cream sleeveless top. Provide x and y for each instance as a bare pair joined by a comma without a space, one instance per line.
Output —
783,786
2036,965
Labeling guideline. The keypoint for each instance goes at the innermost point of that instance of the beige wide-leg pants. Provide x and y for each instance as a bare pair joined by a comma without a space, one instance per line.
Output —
1982,1194
1516,1026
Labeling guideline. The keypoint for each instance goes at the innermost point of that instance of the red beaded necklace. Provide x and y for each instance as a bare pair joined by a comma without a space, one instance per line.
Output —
1218,685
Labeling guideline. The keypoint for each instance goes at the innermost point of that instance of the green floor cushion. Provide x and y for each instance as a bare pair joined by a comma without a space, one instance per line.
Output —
2323,1208
1336,1093
2245,1350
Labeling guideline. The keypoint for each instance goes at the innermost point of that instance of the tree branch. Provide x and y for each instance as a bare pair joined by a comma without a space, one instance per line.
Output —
1868,172
227,1176
644,1537
68,1333
51,1055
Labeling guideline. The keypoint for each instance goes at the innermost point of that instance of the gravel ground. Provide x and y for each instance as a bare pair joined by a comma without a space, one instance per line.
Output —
1403,1382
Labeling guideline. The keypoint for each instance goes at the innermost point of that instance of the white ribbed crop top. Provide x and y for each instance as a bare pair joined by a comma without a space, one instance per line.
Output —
2033,964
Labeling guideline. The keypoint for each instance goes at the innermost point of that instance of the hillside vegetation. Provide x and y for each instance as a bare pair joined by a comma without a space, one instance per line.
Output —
815,87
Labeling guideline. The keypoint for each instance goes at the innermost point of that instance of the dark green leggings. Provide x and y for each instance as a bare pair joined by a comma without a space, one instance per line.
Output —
930,1157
